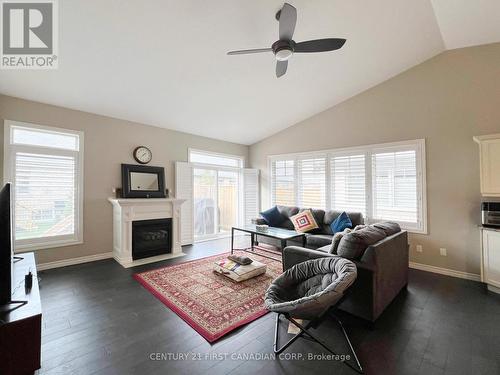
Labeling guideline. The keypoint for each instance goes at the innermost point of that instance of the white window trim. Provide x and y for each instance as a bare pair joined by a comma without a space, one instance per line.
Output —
418,145
9,149
218,167
218,154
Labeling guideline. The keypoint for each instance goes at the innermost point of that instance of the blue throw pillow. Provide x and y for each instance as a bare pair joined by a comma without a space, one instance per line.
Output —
342,222
272,217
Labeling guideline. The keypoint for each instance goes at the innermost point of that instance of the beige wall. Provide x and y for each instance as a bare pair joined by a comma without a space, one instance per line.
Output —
446,100
108,143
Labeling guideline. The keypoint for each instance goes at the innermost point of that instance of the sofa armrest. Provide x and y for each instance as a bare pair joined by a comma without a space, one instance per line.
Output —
293,255
389,259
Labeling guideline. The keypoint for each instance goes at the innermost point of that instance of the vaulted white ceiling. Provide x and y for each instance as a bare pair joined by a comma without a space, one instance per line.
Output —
466,23
164,62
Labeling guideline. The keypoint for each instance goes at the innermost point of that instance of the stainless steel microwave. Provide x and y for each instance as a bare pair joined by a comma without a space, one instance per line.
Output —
490,214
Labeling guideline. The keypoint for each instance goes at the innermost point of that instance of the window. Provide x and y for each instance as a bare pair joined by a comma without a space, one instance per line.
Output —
224,160
384,182
45,166
348,192
217,193
395,187
283,182
311,187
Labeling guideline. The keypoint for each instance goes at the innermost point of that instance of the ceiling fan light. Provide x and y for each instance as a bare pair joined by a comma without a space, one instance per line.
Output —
283,54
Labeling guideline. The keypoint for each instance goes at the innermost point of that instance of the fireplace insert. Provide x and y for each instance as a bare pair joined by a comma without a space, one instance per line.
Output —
151,237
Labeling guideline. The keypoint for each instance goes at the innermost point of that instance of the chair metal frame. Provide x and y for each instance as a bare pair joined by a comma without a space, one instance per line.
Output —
305,333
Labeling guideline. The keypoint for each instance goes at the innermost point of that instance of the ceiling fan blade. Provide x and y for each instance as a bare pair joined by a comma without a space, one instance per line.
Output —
319,45
248,51
281,68
288,19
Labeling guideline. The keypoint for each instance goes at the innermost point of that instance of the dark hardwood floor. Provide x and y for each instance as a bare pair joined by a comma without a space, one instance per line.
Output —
98,320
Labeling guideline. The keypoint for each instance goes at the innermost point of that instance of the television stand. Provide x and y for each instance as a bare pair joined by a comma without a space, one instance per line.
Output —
21,326
8,306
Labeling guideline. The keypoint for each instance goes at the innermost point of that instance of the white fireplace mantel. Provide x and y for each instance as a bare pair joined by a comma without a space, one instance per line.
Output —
125,211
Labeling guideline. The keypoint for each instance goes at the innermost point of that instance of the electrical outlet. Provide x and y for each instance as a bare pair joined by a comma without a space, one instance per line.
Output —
419,249
442,251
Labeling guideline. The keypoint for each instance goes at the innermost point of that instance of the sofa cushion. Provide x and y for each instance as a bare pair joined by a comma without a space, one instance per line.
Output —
273,217
336,240
287,212
340,223
318,240
304,221
360,226
324,249
287,224
389,227
353,244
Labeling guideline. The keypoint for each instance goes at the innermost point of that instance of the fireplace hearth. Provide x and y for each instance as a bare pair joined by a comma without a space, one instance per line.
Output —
151,238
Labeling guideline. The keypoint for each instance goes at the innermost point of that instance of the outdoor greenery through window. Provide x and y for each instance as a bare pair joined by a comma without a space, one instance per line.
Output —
384,182
45,166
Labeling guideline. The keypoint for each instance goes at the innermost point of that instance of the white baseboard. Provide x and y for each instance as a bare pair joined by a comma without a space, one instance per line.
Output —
73,261
414,265
445,271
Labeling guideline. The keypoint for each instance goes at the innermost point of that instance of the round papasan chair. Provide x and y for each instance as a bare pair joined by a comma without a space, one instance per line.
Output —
310,291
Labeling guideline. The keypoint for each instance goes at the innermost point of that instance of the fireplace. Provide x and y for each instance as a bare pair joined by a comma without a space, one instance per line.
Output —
151,238
130,214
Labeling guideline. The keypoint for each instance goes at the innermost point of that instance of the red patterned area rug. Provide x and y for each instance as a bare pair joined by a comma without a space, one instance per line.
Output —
212,304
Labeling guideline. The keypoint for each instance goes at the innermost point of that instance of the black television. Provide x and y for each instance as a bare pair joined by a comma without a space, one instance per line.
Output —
6,251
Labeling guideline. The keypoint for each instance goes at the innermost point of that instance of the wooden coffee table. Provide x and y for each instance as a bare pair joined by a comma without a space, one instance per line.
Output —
282,235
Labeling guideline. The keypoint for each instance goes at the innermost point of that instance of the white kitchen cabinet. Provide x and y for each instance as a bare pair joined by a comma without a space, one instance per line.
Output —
489,151
490,267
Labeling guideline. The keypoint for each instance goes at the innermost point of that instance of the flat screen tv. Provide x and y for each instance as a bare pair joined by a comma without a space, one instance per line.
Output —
6,250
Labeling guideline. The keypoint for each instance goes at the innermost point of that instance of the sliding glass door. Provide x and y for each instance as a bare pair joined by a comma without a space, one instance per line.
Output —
216,193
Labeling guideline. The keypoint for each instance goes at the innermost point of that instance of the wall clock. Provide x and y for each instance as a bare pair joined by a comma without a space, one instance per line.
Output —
143,155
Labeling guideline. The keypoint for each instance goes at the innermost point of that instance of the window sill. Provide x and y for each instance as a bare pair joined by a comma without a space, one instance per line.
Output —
416,231
23,248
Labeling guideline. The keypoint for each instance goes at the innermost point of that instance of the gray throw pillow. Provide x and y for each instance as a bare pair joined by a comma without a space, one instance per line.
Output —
336,240
389,227
353,244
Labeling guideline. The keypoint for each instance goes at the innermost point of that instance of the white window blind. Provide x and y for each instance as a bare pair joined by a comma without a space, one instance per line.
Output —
45,165
250,195
395,192
184,190
384,181
45,195
311,187
283,182
348,184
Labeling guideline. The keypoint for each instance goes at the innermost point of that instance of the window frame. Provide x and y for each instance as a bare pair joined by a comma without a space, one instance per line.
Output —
239,158
11,149
368,150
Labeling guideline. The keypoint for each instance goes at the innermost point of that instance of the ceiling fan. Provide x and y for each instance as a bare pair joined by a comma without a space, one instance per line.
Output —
285,47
